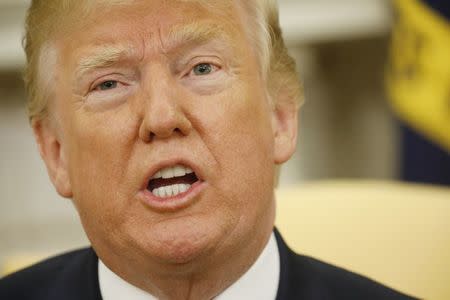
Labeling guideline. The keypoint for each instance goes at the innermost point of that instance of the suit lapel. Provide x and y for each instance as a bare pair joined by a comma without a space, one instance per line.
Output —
78,279
298,278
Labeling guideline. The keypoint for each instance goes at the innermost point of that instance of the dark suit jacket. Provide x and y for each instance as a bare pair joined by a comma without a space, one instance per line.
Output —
73,276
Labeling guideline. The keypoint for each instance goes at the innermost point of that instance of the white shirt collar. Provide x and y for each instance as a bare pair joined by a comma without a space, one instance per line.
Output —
259,282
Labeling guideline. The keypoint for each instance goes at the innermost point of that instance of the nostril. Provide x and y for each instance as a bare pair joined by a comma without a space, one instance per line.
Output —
151,137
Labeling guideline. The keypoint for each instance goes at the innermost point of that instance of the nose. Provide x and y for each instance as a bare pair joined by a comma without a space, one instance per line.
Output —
163,116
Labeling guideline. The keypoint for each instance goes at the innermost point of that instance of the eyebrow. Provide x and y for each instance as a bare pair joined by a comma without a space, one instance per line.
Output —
178,37
101,57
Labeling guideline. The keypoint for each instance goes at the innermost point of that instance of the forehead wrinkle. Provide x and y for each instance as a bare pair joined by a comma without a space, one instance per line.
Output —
193,33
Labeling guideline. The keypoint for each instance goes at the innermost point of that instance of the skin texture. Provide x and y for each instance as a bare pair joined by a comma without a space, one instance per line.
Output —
99,145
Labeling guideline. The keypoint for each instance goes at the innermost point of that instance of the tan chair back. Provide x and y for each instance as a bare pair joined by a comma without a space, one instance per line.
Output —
397,234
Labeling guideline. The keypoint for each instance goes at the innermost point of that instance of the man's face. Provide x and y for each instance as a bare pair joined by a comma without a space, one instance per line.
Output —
165,86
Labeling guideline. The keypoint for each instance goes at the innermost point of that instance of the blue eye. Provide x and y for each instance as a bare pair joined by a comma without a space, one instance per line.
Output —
203,69
107,85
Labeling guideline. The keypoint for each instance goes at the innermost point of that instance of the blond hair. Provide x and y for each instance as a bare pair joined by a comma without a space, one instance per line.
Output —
45,18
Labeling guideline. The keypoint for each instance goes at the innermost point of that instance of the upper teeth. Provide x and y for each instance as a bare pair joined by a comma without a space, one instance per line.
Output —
170,172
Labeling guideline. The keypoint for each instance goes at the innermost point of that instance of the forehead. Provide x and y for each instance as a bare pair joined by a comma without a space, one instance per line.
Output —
158,24
156,14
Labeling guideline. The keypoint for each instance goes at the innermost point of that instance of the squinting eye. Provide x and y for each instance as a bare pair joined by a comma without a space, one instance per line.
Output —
107,85
203,69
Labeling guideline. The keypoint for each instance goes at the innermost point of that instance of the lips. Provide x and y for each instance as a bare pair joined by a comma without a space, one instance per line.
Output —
172,185
172,181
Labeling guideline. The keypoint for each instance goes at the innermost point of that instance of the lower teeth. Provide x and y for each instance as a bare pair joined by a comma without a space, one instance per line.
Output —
170,190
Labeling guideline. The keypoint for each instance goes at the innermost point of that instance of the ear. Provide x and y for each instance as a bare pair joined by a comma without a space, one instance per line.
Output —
284,123
53,156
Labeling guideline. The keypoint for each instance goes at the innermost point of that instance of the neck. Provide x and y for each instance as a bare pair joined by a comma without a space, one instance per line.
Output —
199,279
210,279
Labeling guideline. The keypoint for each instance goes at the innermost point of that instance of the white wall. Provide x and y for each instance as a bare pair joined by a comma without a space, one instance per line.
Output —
33,218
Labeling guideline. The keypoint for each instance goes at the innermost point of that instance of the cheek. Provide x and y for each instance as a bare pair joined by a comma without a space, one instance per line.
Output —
241,140
245,126
100,149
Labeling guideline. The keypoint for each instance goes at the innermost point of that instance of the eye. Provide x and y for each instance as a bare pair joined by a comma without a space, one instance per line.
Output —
203,69
107,85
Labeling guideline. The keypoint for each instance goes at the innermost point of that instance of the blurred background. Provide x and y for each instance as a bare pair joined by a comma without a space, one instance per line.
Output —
376,76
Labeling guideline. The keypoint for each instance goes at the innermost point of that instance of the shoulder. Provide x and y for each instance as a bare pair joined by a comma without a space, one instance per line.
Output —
339,283
304,277
47,279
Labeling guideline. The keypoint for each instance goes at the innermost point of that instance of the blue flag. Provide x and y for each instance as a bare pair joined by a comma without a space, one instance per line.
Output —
418,83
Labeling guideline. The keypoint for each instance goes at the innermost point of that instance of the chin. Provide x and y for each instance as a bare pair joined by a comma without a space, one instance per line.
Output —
181,243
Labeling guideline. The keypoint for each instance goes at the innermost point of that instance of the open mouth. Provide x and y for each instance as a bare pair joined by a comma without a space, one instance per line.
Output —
172,181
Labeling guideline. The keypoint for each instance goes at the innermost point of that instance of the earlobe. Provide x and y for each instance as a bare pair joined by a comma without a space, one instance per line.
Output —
285,118
51,152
